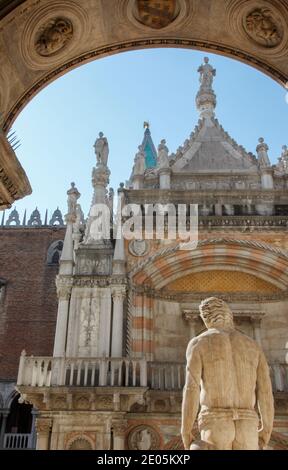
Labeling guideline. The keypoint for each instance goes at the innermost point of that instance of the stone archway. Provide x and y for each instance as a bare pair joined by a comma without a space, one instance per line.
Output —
40,40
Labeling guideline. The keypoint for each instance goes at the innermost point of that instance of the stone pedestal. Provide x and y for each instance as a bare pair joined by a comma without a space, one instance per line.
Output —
164,178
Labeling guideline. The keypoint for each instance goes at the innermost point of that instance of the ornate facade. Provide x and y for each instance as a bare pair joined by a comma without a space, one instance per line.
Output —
127,308
40,40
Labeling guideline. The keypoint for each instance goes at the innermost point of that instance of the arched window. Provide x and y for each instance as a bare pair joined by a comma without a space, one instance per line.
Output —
20,418
2,291
54,252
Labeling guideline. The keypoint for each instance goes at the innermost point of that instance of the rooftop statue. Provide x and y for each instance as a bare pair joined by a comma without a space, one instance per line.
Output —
139,162
101,150
227,374
262,152
206,74
163,159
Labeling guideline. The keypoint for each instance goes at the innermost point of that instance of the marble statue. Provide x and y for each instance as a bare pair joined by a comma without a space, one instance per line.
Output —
206,74
227,375
262,153
163,159
139,162
101,150
73,194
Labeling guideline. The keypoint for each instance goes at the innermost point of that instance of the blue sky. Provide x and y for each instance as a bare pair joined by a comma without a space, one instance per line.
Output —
116,95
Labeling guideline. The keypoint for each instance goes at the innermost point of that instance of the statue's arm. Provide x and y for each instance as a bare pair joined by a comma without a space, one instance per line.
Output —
191,393
265,401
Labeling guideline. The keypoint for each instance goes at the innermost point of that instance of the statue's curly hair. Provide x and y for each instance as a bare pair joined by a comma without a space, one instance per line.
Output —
215,308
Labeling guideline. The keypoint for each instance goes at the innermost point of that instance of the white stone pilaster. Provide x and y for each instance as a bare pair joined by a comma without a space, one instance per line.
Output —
118,295
64,292
164,178
105,322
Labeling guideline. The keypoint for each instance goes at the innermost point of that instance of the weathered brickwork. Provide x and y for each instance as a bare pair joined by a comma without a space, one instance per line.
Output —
29,307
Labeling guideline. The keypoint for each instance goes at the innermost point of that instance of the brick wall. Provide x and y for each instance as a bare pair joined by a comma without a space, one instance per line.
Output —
29,308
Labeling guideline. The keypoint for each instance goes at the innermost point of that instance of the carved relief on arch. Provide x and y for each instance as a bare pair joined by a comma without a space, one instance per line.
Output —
259,22
263,27
53,32
53,36
152,14
80,441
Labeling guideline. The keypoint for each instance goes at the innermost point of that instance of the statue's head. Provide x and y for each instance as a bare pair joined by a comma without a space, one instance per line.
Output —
101,135
216,313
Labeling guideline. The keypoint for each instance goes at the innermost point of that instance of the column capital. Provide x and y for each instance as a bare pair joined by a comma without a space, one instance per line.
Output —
119,427
118,293
43,425
190,315
64,286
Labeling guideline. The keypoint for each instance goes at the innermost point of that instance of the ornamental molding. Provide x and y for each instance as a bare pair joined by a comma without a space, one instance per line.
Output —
213,241
103,281
187,297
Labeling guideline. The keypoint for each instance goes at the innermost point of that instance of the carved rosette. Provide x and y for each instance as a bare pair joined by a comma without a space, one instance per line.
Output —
138,247
143,438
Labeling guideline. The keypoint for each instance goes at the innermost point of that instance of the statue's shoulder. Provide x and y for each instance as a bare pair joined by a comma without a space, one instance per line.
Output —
251,343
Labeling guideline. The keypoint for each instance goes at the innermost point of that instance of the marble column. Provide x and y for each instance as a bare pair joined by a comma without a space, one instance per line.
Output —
118,295
4,414
43,427
190,317
64,293
119,428
256,322
105,322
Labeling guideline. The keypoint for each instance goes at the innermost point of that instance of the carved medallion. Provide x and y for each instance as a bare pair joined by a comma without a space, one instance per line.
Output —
156,14
143,438
138,247
53,36
263,27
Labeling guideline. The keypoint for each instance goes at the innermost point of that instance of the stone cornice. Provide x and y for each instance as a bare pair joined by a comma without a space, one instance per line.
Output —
174,296
189,196
99,281
14,183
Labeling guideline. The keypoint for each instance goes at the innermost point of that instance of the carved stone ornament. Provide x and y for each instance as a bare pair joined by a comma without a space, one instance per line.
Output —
155,14
80,443
138,247
143,438
53,36
263,27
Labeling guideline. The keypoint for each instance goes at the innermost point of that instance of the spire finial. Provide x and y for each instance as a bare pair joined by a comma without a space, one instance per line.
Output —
146,125
206,98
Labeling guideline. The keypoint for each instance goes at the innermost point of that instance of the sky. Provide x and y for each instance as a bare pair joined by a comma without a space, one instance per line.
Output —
116,94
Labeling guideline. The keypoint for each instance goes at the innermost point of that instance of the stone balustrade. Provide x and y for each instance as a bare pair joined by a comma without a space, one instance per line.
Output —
116,372
82,372
18,441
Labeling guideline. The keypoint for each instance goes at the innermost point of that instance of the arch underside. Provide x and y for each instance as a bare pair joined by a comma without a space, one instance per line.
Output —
100,30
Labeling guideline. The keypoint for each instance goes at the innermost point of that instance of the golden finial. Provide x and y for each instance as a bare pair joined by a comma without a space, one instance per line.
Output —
146,125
